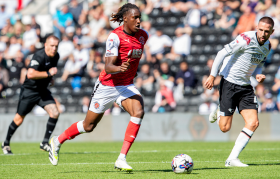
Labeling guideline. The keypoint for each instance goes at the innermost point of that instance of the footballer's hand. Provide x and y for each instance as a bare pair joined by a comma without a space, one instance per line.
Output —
209,82
260,78
53,71
124,67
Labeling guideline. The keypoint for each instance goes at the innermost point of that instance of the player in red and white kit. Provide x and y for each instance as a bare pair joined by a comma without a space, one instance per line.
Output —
124,48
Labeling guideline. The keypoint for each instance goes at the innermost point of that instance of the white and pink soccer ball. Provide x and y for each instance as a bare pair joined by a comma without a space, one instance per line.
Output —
182,163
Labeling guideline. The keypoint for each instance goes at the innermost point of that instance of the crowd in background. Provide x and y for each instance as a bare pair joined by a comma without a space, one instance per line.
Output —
82,31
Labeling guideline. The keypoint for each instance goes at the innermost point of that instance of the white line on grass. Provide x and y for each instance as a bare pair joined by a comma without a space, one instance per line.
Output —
150,151
109,163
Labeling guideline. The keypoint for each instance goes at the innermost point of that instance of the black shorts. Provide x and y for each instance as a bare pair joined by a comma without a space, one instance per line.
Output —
233,95
29,98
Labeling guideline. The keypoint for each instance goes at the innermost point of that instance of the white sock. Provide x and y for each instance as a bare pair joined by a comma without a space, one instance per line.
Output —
240,143
122,156
80,127
56,142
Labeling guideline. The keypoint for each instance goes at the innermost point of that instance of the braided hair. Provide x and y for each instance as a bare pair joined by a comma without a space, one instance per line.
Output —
118,17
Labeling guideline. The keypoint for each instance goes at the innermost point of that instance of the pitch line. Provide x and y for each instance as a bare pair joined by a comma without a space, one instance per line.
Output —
148,151
111,163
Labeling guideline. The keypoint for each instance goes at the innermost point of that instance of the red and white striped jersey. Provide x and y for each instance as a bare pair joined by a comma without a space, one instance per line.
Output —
120,44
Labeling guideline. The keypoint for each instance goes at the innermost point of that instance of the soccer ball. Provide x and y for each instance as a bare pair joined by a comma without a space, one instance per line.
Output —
182,163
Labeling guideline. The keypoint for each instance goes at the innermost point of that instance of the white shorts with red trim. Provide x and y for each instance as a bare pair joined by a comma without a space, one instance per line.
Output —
105,96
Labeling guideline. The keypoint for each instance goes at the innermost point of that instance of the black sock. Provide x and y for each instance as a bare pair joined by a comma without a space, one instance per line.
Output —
12,128
49,130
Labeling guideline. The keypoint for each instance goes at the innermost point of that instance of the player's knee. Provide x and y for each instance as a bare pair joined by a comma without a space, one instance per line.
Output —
224,129
139,113
254,124
90,127
55,114
18,120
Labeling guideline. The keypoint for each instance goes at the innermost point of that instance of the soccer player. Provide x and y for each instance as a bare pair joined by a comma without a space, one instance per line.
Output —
124,48
34,91
248,53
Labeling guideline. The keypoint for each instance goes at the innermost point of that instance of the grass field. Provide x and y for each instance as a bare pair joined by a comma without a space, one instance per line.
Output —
148,159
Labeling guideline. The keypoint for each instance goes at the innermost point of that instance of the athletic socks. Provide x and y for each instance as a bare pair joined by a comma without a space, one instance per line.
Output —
130,135
70,133
240,143
49,129
12,128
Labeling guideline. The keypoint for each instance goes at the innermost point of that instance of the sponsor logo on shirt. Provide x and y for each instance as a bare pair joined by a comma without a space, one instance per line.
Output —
257,58
34,63
136,53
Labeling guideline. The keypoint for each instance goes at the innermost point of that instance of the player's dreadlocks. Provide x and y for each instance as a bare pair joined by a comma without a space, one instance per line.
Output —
118,17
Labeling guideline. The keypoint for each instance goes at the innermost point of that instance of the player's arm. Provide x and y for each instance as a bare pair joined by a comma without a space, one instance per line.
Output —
33,70
258,73
110,66
237,45
111,55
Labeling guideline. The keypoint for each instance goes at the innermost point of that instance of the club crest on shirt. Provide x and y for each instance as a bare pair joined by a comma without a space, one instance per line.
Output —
110,44
142,40
96,105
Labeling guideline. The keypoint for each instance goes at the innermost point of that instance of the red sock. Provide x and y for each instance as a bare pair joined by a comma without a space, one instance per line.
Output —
130,135
69,133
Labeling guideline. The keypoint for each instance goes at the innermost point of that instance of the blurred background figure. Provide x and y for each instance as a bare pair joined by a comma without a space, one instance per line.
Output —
269,105
207,107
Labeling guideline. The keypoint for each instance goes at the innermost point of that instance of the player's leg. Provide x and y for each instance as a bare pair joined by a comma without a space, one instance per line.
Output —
27,100
74,130
248,109
102,99
17,121
134,105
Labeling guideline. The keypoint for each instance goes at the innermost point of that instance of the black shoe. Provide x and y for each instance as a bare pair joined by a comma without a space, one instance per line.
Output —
45,147
6,149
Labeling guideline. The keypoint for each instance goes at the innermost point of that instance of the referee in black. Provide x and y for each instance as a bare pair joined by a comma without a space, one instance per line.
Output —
34,91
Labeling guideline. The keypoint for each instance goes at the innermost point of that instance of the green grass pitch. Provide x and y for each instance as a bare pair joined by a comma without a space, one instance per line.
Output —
148,159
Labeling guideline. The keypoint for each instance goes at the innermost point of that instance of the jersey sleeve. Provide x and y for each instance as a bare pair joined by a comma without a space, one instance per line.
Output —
35,62
112,45
238,44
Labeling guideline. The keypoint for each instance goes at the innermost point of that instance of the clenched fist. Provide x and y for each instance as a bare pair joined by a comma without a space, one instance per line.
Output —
53,71
124,67
260,78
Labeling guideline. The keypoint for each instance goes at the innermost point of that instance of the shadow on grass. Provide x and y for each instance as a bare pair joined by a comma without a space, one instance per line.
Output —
210,168
254,164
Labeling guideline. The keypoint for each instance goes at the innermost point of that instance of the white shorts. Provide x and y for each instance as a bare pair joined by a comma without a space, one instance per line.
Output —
105,96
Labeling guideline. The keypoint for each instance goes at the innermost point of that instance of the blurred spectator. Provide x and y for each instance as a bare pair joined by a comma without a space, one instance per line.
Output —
70,32
147,26
165,75
194,17
86,40
186,74
156,44
145,78
266,6
65,48
34,24
18,31
61,20
4,16
85,104
95,64
12,48
250,3
75,9
97,21
3,61
15,70
29,38
245,23
180,5
269,105
227,20
181,45
260,92
16,16
207,107
78,34
4,79
75,66
164,100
